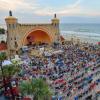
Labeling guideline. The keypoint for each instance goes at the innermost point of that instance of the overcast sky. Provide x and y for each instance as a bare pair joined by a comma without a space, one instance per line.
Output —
39,11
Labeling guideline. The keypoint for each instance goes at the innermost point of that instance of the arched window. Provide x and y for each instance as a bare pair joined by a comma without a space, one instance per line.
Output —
15,38
9,25
13,25
16,45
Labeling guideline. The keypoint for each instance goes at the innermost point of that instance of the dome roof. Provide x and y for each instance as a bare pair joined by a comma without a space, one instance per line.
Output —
55,18
10,17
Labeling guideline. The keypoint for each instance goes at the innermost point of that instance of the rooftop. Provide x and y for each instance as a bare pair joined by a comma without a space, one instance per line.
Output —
3,46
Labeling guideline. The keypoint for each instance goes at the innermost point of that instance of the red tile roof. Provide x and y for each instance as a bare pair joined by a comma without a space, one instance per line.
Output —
98,43
3,46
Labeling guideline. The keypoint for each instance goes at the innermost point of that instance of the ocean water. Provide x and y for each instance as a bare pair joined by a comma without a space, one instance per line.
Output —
85,32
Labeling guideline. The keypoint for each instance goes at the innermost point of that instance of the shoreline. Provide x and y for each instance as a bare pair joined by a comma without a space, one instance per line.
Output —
68,37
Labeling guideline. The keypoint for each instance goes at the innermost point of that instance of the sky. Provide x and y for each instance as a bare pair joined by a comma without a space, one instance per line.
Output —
42,11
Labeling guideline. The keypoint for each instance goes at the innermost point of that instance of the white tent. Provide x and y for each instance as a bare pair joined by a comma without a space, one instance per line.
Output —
25,48
6,62
17,57
57,52
16,60
47,53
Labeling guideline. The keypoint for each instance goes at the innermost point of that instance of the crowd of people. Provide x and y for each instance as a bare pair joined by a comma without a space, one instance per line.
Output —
71,74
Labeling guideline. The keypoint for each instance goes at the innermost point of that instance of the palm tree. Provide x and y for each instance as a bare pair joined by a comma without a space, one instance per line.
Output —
9,72
41,89
26,89
37,88
2,58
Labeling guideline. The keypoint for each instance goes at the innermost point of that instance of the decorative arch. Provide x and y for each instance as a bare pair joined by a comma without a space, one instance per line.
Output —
37,35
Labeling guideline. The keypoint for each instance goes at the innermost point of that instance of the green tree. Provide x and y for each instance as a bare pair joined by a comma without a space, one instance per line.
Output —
11,71
41,90
37,88
2,31
8,72
26,89
2,56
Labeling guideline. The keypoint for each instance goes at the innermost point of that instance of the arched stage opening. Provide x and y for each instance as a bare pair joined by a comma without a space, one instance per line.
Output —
37,36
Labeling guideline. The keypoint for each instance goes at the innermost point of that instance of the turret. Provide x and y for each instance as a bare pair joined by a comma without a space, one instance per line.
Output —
11,21
55,21
55,24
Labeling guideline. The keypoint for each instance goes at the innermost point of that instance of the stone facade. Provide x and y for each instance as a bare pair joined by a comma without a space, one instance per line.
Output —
17,32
